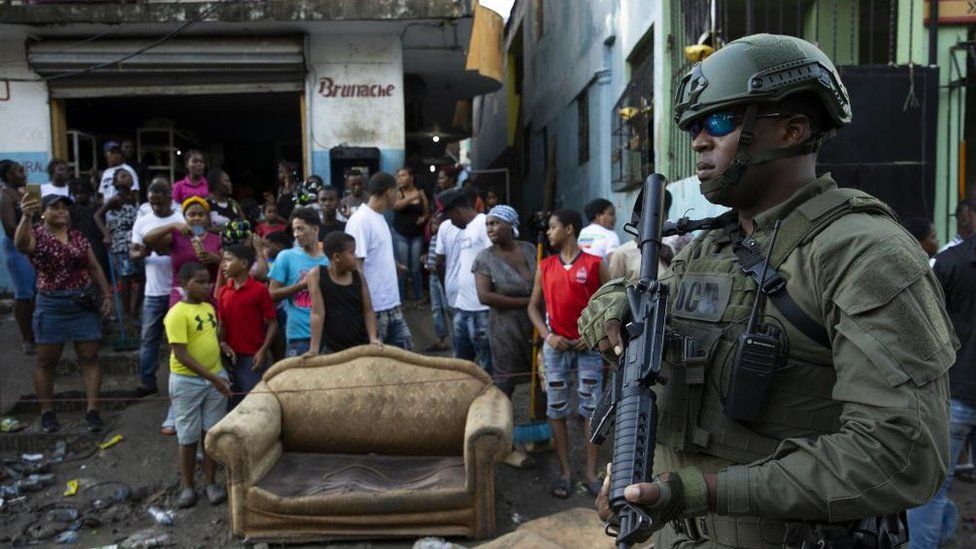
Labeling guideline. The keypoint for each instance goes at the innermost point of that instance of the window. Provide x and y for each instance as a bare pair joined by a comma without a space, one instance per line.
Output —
632,156
538,18
583,125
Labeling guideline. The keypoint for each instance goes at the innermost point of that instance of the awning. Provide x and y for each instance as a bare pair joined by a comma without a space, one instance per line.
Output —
177,67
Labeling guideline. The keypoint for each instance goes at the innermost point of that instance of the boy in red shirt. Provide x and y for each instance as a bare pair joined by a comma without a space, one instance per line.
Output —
563,285
248,321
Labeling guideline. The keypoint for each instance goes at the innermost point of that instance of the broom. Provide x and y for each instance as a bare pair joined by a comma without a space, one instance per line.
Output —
535,430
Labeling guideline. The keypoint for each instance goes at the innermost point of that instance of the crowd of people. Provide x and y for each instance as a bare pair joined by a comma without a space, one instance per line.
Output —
234,285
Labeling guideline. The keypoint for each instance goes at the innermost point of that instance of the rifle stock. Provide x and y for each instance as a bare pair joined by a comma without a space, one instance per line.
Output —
630,405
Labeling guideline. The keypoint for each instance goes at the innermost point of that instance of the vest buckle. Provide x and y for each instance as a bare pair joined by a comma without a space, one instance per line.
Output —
774,282
692,528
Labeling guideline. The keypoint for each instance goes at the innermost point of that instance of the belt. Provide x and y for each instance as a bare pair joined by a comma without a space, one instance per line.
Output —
741,532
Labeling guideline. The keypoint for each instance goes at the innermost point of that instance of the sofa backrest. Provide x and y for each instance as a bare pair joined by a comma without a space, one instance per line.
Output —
375,400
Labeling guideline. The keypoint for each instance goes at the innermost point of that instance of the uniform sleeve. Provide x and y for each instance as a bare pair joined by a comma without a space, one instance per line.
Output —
279,269
892,346
176,326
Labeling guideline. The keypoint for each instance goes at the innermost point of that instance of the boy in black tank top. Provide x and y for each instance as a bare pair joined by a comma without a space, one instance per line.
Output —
342,313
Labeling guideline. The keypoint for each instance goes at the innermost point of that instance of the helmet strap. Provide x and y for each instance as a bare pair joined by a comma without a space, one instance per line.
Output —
741,161
731,176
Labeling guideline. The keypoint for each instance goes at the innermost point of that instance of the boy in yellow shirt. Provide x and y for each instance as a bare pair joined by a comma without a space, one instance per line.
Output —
198,385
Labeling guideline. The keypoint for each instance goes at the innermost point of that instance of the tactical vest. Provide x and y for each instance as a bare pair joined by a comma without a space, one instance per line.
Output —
710,301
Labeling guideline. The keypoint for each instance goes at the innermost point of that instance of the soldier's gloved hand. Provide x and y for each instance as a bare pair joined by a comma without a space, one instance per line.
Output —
677,495
599,325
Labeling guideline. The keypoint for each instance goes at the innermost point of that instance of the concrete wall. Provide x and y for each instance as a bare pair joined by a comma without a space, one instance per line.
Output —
25,119
24,113
585,46
354,94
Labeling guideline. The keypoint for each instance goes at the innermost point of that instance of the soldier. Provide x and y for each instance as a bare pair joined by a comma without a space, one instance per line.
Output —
854,423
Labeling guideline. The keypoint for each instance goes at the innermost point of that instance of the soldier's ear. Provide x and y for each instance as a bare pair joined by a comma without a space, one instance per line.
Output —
796,129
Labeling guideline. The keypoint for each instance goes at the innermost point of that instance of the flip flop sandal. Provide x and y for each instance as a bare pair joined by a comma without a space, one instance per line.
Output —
562,488
594,487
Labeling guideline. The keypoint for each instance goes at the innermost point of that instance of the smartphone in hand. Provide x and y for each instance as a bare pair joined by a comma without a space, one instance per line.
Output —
34,190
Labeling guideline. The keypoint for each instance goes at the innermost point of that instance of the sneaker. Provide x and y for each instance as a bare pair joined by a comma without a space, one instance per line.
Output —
143,391
216,494
28,348
440,345
94,420
49,422
187,499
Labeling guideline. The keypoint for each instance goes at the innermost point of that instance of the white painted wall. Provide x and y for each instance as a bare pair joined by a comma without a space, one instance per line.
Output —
25,117
373,63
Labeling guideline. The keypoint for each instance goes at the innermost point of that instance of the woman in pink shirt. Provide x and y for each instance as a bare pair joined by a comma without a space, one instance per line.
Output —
194,184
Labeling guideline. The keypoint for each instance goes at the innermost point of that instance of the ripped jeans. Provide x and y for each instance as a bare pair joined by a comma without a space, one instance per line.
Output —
560,366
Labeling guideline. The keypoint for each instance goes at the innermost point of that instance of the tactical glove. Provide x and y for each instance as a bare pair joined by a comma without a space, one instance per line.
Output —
609,302
683,495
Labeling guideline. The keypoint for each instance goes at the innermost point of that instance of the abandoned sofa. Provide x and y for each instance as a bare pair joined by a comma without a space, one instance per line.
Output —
368,443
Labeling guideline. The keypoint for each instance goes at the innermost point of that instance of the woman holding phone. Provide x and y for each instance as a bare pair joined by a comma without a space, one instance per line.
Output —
21,272
185,242
72,294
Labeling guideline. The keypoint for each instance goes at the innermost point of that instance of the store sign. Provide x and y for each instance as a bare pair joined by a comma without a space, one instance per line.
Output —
954,12
330,88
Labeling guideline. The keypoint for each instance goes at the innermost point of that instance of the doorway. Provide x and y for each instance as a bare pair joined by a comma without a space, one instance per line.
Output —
246,134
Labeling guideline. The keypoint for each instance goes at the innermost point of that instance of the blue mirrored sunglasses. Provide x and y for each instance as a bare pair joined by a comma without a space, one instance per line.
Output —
719,124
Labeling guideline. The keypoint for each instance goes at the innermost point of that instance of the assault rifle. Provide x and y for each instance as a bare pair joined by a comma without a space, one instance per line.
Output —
629,403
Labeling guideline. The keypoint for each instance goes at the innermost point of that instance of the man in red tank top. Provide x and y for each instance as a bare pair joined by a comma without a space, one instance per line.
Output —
563,285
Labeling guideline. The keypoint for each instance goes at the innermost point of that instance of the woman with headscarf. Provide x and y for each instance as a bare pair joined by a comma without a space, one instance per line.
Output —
71,293
185,242
21,272
503,273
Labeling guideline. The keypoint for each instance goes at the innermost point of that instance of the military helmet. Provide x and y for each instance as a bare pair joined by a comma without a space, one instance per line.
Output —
761,68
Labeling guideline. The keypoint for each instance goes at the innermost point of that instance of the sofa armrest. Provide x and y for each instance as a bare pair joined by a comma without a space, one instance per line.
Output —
242,440
487,432
487,440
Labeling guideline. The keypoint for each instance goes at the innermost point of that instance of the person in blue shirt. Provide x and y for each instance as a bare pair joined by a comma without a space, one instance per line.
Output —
288,278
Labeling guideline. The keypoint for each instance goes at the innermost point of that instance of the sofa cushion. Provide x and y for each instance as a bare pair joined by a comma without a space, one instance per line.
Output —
303,483
375,400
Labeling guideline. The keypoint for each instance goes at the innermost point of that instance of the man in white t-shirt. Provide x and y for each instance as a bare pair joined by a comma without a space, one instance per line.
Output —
159,277
470,316
58,175
374,249
598,238
113,157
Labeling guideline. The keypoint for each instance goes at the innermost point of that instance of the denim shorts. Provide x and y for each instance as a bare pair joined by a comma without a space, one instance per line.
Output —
297,347
59,319
197,405
560,366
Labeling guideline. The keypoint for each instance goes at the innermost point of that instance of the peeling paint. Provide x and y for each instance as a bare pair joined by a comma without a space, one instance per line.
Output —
243,10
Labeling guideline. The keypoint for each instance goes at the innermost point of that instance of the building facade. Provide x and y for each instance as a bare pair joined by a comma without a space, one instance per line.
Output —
586,108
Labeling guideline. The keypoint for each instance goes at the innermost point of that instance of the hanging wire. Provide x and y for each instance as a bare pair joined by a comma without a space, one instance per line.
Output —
871,32
833,31
782,6
799,17
891,32
816,21
911,100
